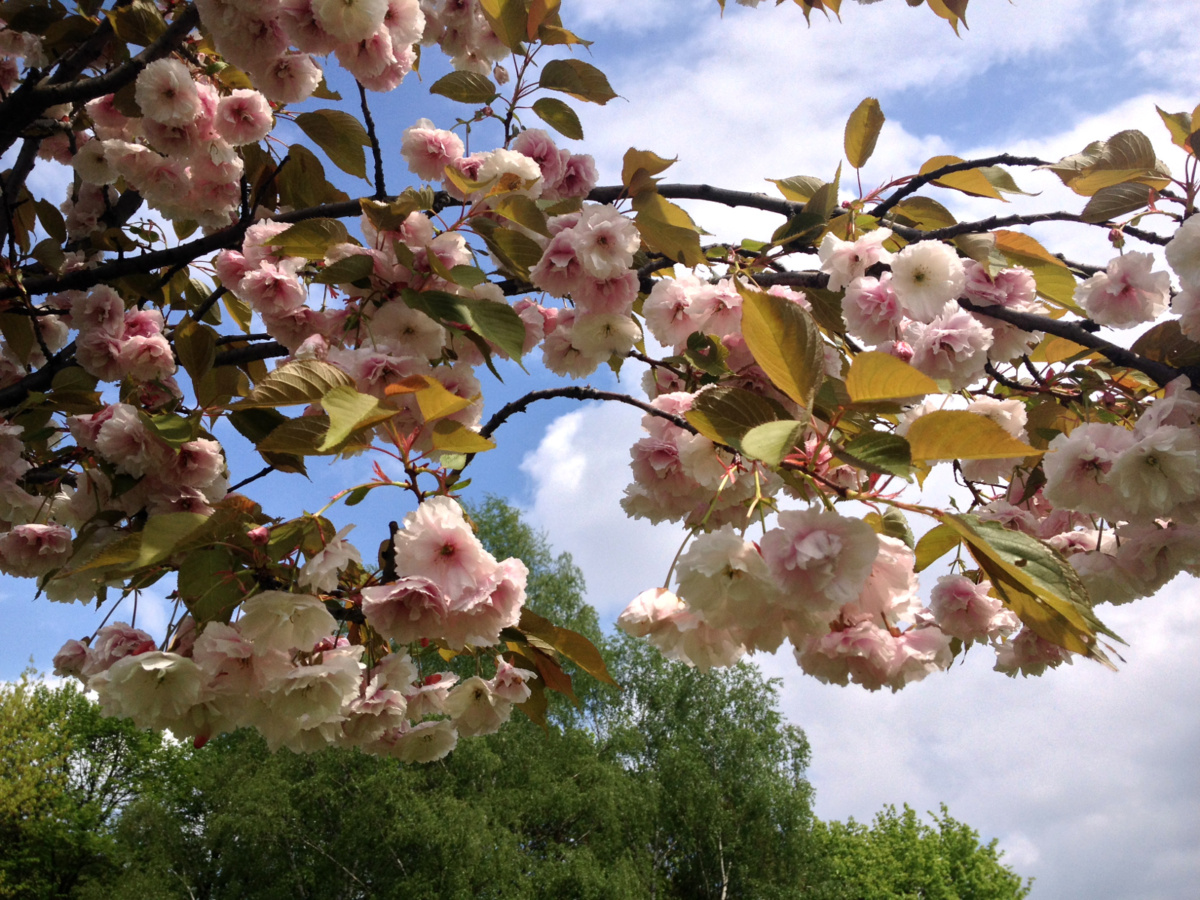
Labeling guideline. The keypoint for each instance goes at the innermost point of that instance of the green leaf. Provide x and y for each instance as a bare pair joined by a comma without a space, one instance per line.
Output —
348,411
301,381
212,584
340,135
169,428
785,342
862,130
798,188
466,87
161,535
138,23
1166,343
389,216
347,270
726,414
880,376
958,434
935,544
301,181
310,239
196,347
577,78
1116,200
1038,584
500,324
299,437
893,524
559,116
772,441
880,452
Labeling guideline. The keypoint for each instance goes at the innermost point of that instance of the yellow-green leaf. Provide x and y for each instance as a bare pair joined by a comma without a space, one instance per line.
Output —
957,434
455,437
969,181
1036,582
772,441
935,544
925,213
798,188
1179,124
668,229
862,130
785,342
522,210
1054,280
310,239
301,381
509,20
1116,200
348,411
880,376
639,168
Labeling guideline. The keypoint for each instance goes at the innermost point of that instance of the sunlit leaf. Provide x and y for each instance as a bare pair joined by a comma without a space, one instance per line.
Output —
880,376
862,130
559,116
340,135
300,381
957,434
785,342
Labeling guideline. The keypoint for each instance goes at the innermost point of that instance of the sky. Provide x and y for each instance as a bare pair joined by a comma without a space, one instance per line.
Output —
1086,777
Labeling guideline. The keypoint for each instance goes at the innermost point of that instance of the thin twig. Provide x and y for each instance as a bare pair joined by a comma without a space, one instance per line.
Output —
917,182
380,189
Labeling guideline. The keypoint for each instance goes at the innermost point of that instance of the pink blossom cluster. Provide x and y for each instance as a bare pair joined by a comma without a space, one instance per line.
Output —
280,669
463,33
18,50
912,311
533,166
843,595
682,476
275,41
450,588
180,154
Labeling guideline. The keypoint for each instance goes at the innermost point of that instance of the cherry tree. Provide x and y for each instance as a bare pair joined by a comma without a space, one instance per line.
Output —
198,272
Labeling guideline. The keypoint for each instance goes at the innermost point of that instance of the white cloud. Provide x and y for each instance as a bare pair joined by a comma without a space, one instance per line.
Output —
1086,776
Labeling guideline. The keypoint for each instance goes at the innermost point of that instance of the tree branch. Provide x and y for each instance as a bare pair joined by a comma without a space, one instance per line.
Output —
170,256
919,181
23,106
576,393
1074,331
612,193
380,189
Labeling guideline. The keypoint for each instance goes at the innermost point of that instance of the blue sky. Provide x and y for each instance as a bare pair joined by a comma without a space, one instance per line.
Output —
1087,778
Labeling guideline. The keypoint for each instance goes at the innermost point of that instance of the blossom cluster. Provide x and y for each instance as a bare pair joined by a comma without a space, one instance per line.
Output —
283,668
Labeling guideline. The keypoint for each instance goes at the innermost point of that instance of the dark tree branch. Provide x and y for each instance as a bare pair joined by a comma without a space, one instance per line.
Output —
239,355
612,193
15,394
576,393
919,181
380,188
12,186
984,225
26,104
1075,331
170,256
